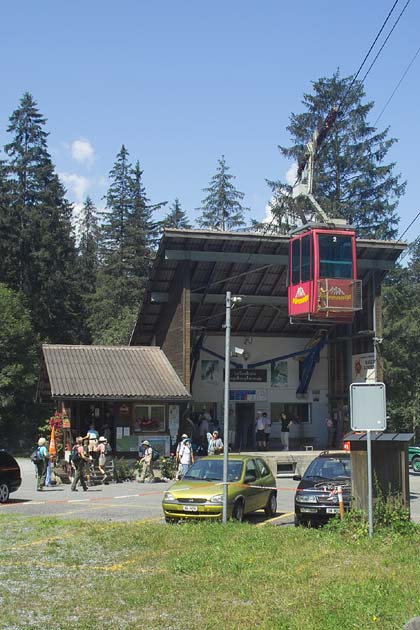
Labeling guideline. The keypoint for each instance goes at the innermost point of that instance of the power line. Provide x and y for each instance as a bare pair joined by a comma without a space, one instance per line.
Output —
398,85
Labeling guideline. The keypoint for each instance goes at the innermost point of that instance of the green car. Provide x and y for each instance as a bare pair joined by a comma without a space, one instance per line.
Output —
414,457
199,495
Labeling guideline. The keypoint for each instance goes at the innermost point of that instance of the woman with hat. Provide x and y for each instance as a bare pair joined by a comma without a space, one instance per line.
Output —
101,450
186,455
147,460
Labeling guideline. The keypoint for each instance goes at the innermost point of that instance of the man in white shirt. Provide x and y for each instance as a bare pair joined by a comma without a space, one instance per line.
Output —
147,461
259,429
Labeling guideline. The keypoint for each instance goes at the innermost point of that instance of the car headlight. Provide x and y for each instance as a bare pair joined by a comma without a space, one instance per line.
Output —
306,498
168,496
217,498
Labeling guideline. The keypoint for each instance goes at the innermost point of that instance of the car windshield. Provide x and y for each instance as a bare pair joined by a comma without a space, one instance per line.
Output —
328,468
212,470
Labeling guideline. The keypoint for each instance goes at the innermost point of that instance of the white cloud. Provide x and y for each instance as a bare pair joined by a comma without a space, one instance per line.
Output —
82,151
291,174
77,185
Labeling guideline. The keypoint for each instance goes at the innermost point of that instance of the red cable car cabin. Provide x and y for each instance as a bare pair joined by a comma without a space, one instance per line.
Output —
323,281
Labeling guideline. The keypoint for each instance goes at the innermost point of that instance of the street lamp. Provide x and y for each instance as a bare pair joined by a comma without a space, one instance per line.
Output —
229,302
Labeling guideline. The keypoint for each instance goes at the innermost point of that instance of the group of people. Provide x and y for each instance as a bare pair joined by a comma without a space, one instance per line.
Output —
87,451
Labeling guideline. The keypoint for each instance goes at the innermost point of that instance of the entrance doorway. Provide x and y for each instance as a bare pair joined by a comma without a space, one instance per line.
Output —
245,419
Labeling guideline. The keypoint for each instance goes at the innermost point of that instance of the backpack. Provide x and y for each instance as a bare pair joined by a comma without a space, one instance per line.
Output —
36,456
75,456
155,454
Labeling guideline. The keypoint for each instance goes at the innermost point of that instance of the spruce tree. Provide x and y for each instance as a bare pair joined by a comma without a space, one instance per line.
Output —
42,235
88,261
176,218
351,178
221,209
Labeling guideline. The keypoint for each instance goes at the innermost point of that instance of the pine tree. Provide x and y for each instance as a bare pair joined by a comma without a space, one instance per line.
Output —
221,209
176,218
43,243
9,245
127,241
351,179
88,261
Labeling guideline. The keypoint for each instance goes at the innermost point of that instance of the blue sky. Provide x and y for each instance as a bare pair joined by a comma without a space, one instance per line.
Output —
181,83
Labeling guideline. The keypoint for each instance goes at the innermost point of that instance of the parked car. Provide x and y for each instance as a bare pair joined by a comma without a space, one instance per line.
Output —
414,457
10,477
199,495
316,498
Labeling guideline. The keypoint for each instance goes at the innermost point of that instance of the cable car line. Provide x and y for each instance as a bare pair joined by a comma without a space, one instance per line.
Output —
398,85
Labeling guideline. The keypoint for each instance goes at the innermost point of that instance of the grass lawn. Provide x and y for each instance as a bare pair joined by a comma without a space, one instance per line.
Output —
67,574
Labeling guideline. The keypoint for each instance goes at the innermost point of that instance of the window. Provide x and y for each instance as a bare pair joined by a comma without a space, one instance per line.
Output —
296,261
262,468
293,411
149,418
335,256
250,469
306,272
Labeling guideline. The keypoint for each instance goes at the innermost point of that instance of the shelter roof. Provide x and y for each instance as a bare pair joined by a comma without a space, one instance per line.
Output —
251,265
378,436
112,372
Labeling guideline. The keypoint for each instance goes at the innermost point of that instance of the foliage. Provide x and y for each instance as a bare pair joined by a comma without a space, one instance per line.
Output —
222,208
168,467
124,470
18,367
401,346
176,218
88,261
351,179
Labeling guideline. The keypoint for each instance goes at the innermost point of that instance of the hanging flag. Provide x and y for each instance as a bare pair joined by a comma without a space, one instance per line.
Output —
52,449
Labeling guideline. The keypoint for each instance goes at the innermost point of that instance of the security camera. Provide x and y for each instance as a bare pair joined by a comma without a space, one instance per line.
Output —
238,351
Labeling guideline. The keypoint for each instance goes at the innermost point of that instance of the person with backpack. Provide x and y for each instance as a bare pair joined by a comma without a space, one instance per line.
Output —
102,451
78,460
147,461
40,458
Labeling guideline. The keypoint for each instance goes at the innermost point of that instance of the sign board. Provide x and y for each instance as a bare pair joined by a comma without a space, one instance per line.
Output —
367,407
247,375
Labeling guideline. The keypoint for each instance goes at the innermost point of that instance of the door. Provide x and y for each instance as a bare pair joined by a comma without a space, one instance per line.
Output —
245,433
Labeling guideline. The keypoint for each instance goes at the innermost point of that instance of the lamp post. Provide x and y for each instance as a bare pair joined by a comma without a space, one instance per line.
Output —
226,407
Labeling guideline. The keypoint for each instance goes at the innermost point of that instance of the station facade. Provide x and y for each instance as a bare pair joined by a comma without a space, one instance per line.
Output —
303,369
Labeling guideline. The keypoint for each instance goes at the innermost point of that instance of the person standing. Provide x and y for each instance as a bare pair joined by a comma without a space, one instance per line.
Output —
186,455
78,461
259,429
267,429
42,464
329,423
177,457
285,427
102,446
147,461
215,444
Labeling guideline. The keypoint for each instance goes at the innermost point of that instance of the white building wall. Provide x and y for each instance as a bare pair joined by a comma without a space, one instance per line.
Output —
209,380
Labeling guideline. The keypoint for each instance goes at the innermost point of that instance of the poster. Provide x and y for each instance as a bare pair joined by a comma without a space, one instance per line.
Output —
173,419
279,373
126,431
210,371
119,433
363,368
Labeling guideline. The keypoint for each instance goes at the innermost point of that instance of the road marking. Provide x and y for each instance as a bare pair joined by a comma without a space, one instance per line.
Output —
275,518
78,501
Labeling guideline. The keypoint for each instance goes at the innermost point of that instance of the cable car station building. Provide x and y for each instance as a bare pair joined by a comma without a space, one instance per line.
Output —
301,365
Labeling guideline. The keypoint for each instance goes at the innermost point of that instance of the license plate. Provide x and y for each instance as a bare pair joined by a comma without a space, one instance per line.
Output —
334,510
190,508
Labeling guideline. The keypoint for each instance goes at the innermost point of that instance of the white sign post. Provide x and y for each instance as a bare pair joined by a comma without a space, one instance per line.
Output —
368,413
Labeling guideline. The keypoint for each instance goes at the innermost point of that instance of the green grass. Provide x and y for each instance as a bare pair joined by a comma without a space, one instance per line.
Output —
67,574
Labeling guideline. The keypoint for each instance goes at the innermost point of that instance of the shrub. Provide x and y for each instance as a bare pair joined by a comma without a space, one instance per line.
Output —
123,470
168,467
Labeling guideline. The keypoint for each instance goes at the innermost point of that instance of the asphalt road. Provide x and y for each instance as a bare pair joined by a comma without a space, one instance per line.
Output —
132,501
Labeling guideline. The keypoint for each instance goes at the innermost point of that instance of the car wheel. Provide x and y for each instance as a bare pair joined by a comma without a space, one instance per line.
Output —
238,511
4,492
271,507
298,521
168,519
415,463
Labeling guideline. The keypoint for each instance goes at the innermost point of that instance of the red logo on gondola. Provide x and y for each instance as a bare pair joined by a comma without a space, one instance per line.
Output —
301,297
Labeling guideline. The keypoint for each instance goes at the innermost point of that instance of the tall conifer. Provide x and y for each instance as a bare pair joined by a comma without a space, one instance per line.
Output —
221,209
